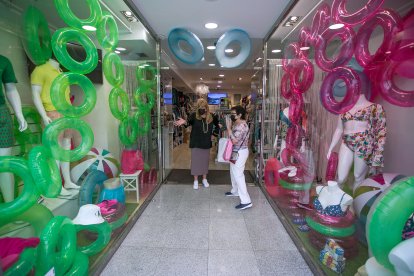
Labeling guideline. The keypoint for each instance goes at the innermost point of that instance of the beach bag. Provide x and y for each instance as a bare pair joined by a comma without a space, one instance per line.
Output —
221,149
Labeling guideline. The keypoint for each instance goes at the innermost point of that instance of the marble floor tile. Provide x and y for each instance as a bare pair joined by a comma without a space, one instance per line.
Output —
229,234
282,262
188,233
183,262
232,263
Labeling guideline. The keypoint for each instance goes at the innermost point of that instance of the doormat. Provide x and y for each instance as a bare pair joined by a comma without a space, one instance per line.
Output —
214,177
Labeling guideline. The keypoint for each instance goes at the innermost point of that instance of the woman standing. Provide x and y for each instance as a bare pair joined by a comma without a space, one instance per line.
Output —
203,125
238,132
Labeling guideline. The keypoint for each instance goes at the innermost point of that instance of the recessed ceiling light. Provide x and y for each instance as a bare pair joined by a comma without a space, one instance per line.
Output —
288,24
229,50
211,47
219,81
276,51
201,78
129,16
304,48
221,75
212,64
336,26
240,79
121,49
218,85
294,18
128,13
118,52
211,25
89,28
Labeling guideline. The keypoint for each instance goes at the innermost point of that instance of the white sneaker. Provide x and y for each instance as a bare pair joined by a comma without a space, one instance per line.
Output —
205,183
195,185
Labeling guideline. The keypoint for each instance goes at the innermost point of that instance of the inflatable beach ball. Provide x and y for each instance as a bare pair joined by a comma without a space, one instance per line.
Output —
96,159
369,190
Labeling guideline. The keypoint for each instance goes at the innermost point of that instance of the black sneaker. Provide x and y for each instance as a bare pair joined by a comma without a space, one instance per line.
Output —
230,194
244,206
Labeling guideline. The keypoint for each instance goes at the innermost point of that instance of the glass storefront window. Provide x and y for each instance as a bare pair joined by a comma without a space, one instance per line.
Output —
80,106
338,89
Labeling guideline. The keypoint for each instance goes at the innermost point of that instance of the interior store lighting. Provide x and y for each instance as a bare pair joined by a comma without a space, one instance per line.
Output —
211,25
121,49
229,50
118,52
291,21
276,51
212,64
129,16
221,75
211,47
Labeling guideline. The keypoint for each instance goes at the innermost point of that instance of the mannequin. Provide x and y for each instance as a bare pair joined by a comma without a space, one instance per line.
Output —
332,195
364,123
41,80
6,130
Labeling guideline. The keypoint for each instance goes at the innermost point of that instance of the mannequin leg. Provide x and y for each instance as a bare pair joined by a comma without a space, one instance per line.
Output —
360,170
65,166
6,179
346,157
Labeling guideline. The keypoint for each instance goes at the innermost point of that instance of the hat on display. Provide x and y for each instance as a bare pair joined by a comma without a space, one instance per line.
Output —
89,214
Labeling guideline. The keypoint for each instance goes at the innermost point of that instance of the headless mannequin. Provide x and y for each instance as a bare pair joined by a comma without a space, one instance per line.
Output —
65,141
7,179
332,194
346,156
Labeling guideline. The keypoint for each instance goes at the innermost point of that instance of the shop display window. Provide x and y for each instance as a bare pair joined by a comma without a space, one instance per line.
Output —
79,145
338,94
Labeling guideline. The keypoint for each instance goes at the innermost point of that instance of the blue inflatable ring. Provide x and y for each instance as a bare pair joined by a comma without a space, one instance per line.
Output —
245,47
197,49
95,178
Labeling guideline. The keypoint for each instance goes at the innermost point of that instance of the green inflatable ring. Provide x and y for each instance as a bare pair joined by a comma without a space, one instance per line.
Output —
104,236
143,122
150,98
58,94
44,169
65,12
59,41
38,216
113,60
295,186
80,265
387,217
142,73
10,210
128,124
51,134
118,93
24,264
118,223
109,41
60,234
330,231
36,36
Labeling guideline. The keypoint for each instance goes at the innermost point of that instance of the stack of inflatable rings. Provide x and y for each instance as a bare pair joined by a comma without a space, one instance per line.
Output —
340,229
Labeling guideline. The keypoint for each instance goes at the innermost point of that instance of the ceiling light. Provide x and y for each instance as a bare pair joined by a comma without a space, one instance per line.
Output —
294,18
221,75
121,49
336,26
219,81
129,16
211,64
304,48
239,79
211,47
229,50
276,51
89,28
211,25
118,52
288,24
201,78
218,86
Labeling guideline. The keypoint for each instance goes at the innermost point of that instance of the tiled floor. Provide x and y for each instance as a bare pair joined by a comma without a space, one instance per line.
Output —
198,232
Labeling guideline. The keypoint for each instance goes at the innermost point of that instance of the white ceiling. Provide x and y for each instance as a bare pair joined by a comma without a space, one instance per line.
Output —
255,17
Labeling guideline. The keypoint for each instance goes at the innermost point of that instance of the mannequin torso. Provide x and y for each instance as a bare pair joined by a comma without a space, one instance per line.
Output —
332,195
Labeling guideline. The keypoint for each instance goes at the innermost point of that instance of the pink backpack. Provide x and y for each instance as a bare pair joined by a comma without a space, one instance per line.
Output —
131,161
